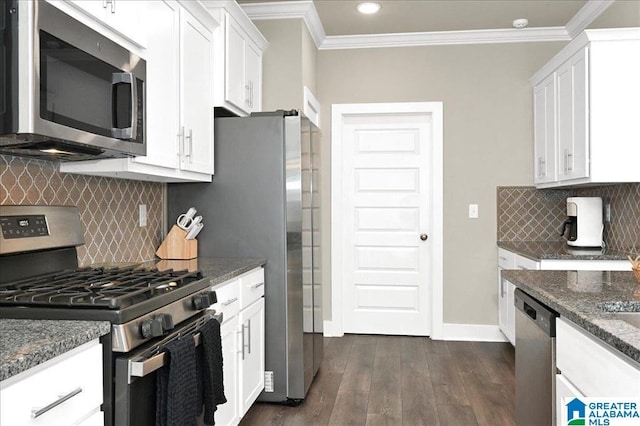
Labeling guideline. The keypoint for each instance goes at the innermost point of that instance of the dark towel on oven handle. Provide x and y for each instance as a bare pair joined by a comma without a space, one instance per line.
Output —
176,385
212,372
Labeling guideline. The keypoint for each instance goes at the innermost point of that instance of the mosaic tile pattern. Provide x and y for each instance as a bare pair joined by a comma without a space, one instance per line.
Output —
623,233
529,214
108,207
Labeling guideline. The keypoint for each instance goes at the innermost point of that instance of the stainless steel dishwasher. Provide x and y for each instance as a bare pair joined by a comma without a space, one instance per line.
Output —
535,361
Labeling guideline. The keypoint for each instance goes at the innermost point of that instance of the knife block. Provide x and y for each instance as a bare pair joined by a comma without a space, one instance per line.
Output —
175,246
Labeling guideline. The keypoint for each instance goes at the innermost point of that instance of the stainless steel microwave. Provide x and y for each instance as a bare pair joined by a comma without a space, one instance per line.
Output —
67,92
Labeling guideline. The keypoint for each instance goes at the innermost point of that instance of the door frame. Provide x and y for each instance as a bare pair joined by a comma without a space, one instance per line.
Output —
334,327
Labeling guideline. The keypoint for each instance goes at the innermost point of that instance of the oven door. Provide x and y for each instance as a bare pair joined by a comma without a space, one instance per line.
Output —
136,375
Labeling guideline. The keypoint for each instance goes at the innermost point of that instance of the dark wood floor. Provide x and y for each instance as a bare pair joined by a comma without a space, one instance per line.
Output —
398,380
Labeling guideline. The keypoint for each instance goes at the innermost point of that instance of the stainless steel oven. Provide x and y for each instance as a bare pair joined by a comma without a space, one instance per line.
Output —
68,91
147,308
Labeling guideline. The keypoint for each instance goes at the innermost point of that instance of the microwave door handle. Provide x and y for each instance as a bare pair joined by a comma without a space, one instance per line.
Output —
130,132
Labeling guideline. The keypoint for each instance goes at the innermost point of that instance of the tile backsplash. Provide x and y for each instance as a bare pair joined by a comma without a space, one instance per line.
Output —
108,207
526,213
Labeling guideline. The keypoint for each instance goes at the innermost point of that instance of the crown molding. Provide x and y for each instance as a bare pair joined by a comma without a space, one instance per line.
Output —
443,38
304,10
585,16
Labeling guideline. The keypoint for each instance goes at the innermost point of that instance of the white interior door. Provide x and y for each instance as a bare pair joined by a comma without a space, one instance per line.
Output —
387,216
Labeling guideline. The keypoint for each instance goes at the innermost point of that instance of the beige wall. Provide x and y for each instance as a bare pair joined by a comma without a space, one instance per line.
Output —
282,76
621,14
309,61
488,141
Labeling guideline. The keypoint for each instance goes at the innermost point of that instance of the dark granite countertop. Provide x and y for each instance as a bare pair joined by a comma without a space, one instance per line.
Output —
559,250
26,343
217,269
589,299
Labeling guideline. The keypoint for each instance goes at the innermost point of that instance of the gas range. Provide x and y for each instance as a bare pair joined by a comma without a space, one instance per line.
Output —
147,307
141,304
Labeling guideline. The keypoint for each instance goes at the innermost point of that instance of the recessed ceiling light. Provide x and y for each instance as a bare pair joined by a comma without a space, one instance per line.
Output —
520,23
368,7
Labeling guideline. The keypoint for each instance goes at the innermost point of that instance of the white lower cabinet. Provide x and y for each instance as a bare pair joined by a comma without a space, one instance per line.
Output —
251,354
241,302
510,260
229,413
591,368
66,390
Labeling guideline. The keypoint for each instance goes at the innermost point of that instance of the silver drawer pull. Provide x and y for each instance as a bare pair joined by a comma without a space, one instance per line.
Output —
257,285
230,301
37,412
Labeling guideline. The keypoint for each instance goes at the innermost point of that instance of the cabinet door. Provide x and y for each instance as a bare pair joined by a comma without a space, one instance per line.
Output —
123,16
196,96
564,389
502,304
573,134
236,88
163,102
228,414
511,312
251,378
544,101
253,73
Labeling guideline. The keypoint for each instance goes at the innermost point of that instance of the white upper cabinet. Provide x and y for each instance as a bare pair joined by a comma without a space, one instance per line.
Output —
544,107
586,109
237,59
179,99
123,16
196,96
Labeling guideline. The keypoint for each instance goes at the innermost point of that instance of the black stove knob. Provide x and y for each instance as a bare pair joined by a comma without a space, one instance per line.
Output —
166,320
201,301
151,328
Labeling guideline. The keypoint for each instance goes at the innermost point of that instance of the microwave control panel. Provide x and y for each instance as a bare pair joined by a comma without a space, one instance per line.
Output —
24,226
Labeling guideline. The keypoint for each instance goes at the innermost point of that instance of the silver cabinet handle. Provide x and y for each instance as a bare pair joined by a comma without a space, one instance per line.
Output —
228,302
247,90
570,161
424,237
241,334
248,346
249,335
254,286
190,145
37,412
181,142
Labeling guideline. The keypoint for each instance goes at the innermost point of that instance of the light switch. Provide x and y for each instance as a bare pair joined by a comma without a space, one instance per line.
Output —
473,211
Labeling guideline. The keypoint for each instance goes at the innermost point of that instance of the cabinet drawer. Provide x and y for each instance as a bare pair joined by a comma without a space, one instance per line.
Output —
577,354
506,259
251,287
228,295
526,263
76,375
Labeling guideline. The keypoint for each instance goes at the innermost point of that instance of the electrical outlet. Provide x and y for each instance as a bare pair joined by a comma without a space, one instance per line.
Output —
473,211
607,212
142,219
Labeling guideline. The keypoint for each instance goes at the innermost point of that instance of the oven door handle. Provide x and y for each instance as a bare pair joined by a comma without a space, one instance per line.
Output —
149,365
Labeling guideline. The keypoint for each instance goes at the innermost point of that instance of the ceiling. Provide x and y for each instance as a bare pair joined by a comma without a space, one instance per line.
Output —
339,17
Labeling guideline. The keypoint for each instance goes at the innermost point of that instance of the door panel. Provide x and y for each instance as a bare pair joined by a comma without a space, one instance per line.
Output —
386,193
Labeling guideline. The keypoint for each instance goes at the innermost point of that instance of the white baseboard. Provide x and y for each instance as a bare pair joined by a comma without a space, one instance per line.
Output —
459,332
329,330
472,333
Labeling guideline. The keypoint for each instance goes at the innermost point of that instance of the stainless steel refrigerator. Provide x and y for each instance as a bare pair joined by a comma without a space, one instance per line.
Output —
264,201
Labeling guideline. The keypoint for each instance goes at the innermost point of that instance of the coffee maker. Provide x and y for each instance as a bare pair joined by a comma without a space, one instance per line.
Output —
583,227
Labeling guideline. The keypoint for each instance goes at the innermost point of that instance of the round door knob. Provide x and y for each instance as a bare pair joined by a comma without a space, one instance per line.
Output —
424,237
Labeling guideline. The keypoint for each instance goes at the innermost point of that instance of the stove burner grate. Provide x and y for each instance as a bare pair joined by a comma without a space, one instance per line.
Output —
110,288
